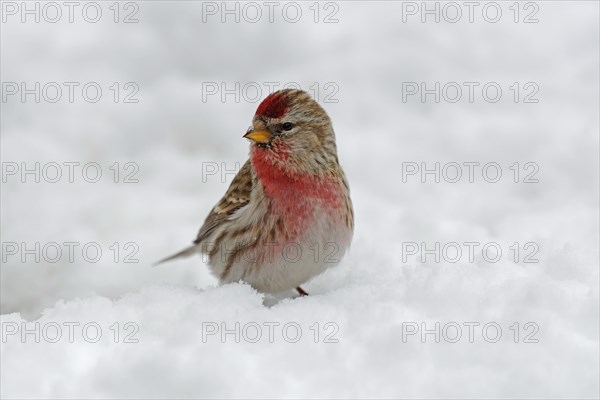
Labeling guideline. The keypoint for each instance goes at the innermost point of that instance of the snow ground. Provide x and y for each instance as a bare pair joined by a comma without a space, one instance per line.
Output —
372,311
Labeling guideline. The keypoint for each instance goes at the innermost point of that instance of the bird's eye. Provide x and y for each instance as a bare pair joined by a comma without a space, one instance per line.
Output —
287,126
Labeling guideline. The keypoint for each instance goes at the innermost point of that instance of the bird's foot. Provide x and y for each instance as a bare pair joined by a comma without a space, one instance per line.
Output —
301,291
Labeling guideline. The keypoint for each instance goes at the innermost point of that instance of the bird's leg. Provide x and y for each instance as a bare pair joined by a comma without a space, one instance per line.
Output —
301,291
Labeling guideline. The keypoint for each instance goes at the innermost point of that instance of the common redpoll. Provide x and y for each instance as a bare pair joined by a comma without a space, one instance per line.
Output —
287,215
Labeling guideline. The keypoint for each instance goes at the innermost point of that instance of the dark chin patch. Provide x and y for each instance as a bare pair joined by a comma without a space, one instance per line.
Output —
274,105
264,145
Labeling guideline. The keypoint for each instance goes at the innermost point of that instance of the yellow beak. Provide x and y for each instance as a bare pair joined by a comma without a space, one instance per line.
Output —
263,136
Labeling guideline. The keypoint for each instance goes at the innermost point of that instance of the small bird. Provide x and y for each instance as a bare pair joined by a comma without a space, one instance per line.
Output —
287,215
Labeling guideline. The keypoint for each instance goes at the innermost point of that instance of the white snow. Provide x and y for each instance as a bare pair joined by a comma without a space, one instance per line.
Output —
170,320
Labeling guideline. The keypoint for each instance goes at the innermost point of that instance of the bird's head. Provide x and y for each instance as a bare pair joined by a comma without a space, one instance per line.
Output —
290,128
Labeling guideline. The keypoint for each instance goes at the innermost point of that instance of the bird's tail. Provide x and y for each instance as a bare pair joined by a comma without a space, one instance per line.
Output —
188,251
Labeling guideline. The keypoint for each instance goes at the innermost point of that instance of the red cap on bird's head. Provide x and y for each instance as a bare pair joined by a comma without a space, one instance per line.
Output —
274,105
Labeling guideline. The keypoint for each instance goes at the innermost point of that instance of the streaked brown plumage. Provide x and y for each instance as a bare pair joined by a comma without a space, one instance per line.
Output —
290,194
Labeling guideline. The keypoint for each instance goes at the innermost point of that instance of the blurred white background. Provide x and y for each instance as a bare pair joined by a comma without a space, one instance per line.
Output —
358,67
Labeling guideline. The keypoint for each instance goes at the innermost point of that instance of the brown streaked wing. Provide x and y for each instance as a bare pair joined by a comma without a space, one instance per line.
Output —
236,197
